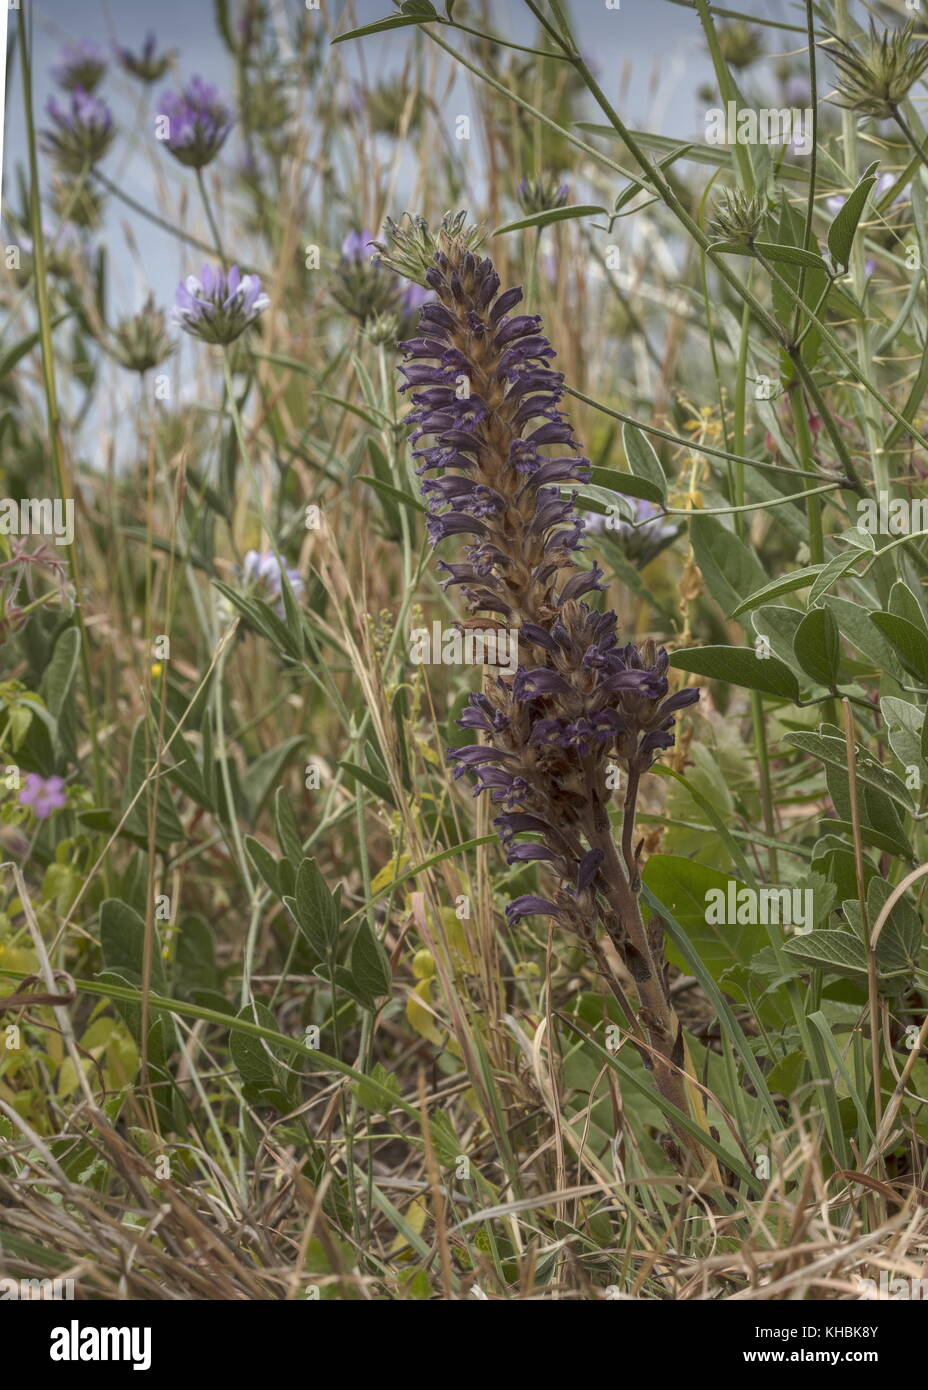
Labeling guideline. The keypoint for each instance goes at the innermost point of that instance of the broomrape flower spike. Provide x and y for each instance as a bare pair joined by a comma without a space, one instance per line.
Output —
83,131
875,82
218,306
485,394
198,123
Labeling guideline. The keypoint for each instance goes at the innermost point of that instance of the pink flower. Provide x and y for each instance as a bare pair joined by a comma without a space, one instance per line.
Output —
43,794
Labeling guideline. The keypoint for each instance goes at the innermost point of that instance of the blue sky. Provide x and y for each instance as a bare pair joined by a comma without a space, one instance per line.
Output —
659,43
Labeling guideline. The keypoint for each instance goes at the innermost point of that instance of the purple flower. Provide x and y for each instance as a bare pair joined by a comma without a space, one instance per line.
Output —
147,65
218,306
263,571
356,246
43,794
82,66
198,123
577,698
83,131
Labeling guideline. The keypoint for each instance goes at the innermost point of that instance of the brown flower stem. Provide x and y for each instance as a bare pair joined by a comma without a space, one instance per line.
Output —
642,953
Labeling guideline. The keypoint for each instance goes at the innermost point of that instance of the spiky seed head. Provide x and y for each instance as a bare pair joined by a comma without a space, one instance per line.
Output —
875,78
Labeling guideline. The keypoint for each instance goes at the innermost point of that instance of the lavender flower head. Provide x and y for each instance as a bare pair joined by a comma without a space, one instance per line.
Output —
578,699
197,123
541,194
82,66
262,570
218,306
83,131
642,539
43,794
382,303
356,246
147,65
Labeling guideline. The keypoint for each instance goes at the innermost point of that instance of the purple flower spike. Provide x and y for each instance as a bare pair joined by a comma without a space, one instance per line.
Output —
197,123
576,699
43,794
218,306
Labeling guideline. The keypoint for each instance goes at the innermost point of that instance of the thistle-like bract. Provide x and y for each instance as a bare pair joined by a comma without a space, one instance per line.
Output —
875,81
486,394
83,131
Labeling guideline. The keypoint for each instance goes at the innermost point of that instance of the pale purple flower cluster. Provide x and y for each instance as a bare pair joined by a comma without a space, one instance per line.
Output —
262,569
82,66
83,131
368,291
198,123
219,305
43,794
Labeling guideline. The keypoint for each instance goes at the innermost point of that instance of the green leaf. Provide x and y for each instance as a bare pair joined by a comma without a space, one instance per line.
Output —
730,568
740,666
382,25
908,640
837,951
642,460
792,255
378,785
122,942
904,604
261,774
541,219
843,229
856,625
317,909
684,887
626,484
265,1078
288,837
390,493
265,863
817,645
831,572
797,579
370,968
833,750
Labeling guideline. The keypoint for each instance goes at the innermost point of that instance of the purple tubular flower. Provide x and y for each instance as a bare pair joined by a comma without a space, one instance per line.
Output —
43,794
576,698
218,306
197,123
82,134
529,906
